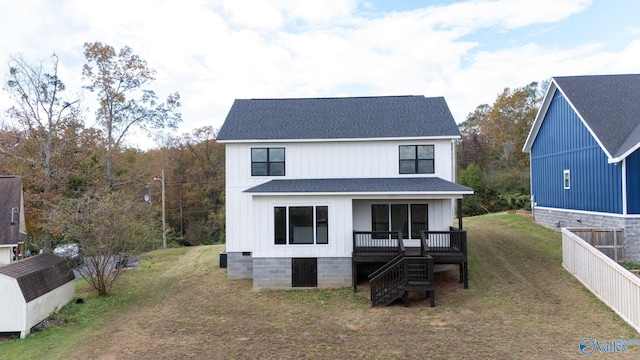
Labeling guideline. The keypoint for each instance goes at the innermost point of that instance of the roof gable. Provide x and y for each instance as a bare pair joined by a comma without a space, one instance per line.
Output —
608,105
39,274
338,118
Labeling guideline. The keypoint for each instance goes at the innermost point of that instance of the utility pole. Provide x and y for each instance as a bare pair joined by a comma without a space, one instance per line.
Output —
164,221
181,213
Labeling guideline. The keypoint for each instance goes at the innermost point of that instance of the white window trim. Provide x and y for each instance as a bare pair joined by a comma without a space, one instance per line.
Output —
566,179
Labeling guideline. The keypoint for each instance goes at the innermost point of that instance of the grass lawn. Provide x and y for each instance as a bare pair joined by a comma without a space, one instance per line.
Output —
521,304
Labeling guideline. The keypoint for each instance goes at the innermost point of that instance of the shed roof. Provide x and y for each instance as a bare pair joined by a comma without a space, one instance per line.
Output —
10,205
432,185
38,275
338,118
609,106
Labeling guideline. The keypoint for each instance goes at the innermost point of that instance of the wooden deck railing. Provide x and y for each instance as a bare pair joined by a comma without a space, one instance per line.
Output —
445,247
454,240
448,247
377,242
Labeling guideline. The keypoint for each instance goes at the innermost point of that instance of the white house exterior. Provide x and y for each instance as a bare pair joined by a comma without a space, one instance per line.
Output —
303,174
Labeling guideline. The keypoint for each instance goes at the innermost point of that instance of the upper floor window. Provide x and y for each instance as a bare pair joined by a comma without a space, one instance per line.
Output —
416,159
267,162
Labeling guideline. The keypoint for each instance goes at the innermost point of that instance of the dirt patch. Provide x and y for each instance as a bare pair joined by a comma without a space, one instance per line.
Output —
520,304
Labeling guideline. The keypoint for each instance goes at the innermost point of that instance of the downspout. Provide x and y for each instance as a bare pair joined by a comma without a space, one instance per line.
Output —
624,186
460,213
532,198
454,165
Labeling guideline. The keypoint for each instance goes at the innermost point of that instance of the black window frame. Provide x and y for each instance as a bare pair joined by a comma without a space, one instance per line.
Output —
418,162
271,166
408,223
284,222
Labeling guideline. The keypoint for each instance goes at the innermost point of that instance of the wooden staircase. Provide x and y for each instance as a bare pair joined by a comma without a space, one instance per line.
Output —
400,276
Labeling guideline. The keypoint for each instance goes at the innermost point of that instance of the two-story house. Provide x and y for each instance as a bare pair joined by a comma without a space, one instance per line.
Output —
584,147
303,174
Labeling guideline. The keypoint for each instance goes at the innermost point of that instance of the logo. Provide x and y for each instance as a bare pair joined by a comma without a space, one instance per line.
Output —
588,346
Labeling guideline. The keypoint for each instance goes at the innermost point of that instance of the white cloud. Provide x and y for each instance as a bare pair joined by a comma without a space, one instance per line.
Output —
275,14
507,14
213,51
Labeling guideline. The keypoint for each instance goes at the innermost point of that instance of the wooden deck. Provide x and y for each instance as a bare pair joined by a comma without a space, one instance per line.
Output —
440,247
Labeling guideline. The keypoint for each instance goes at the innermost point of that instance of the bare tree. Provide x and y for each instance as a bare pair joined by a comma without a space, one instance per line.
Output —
43,115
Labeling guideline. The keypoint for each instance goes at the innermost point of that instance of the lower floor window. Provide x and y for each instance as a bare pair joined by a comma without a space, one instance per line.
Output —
410,219
301,225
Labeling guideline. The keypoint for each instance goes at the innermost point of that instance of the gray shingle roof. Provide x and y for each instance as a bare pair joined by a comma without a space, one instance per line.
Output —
361,185
610,105
39,274
10,195
338,118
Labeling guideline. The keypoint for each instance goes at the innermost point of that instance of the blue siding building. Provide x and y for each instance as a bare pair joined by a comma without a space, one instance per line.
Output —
585,162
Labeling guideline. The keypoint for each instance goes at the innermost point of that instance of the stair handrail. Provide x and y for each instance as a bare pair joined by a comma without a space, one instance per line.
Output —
424,245
384,268
379,291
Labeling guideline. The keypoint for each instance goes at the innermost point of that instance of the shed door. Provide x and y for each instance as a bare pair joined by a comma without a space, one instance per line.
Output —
304,272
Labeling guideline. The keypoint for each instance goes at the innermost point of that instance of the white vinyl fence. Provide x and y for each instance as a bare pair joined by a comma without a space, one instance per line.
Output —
614,285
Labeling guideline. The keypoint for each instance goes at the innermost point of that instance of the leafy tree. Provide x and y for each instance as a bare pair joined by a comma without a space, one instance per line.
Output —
506,125
490,151
471,147
110,226
47,120
119,79
196,186
472,177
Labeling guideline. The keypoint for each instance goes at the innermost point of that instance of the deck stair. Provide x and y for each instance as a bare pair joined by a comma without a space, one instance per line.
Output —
401,275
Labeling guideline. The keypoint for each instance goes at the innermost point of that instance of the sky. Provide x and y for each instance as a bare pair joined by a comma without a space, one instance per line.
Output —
214,51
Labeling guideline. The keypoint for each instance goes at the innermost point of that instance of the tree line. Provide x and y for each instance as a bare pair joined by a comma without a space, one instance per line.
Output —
88,184
490,157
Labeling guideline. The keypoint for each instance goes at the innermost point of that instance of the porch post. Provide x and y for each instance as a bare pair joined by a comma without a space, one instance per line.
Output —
354,275
460,213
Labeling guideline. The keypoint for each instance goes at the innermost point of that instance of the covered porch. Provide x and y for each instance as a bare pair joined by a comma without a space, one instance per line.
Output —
402,265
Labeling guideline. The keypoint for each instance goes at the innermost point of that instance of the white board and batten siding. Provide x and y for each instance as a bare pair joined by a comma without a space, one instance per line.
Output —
316,160
348,159
339,227
617,287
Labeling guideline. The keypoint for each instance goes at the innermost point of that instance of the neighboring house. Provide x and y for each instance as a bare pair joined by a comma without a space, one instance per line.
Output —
303,174
32,289
585,162
13,230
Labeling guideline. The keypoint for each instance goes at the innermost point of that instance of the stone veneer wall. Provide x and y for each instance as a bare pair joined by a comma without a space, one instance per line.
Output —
275,273
557,219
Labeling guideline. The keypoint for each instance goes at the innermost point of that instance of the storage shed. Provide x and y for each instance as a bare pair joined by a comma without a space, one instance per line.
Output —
32,289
